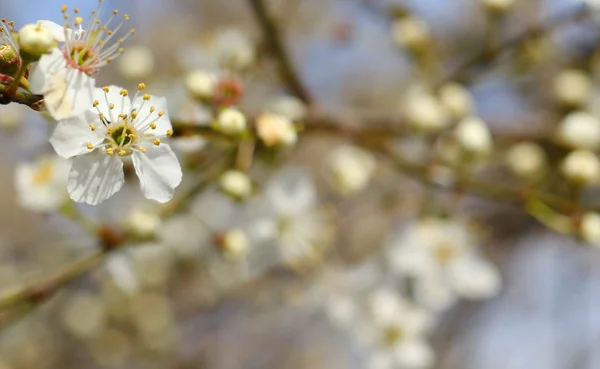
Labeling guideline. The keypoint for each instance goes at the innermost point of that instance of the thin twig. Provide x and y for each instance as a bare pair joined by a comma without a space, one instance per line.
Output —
273,39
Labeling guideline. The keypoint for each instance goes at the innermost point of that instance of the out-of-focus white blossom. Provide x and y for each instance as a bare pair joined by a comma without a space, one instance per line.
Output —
234,244
526,159
234,49
581,167
201,84
236,184
474,136
231,121
572,87
83,315
456,100
12,115
137,63
423,111
276,130
349,169
114,128
579,130
41,185
590,228
288,106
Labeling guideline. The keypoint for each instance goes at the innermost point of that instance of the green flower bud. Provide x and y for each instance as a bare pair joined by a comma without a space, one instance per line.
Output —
10,61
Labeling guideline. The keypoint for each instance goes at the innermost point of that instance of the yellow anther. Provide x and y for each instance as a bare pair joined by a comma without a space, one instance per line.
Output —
63,8
126,16
116,11
146,97
153,125
96,103
109,60
109,131
110,151
152,109
92,127
105,89
66,16
78,20
97,21
143,149
134,114
161,113
169,133
122,116
132,136
109,32
156,141
124,92
122,153
100,42
89,145
76,10
121,50
101,116
141,86
111,106
132,31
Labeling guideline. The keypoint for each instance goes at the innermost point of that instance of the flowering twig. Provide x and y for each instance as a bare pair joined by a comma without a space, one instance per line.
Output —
25,98
490,55
272,37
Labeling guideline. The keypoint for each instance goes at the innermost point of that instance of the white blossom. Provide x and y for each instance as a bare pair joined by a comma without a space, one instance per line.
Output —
236,184
590,228
526,159
581,167
579,130
111,129
276,130
572,87
201,84
41,184
231,121
36,40
137,63
349,169
456,100
474,136
64,76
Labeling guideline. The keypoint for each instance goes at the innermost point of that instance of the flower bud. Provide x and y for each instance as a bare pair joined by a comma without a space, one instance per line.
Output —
231,121
234,244
236,184
579,130
35,41
349,169
411,33
581,167
10,60
498,6
201,84
143,223
423,112
474,136
276,130
526,159
456,100
572,87
590,228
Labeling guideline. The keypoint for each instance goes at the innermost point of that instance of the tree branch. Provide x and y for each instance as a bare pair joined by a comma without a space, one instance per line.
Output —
272,37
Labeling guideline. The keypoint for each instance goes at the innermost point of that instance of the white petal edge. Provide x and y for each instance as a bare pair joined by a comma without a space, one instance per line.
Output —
71,136
95,177
159,172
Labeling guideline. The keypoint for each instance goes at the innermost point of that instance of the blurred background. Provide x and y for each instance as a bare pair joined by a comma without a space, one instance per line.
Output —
185,313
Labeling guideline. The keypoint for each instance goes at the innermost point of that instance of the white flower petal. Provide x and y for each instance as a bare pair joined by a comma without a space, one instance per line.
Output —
415,354
474,279
71,136
163,124
113,96
57,30
40,74
95,177
159,172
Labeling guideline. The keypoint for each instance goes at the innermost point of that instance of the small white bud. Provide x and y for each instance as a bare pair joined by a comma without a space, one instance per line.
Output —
572,87
137,63
236,184
498,6
590,228
201,84
143,223
276,130
36,40
424,112
288,106
474,136
581,167
526,159
456,100
410,33
579,130
231,121
349,169
235,244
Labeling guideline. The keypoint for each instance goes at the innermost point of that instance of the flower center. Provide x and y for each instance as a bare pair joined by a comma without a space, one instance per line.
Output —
444,253
392,335
121,137
82,56
43,174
